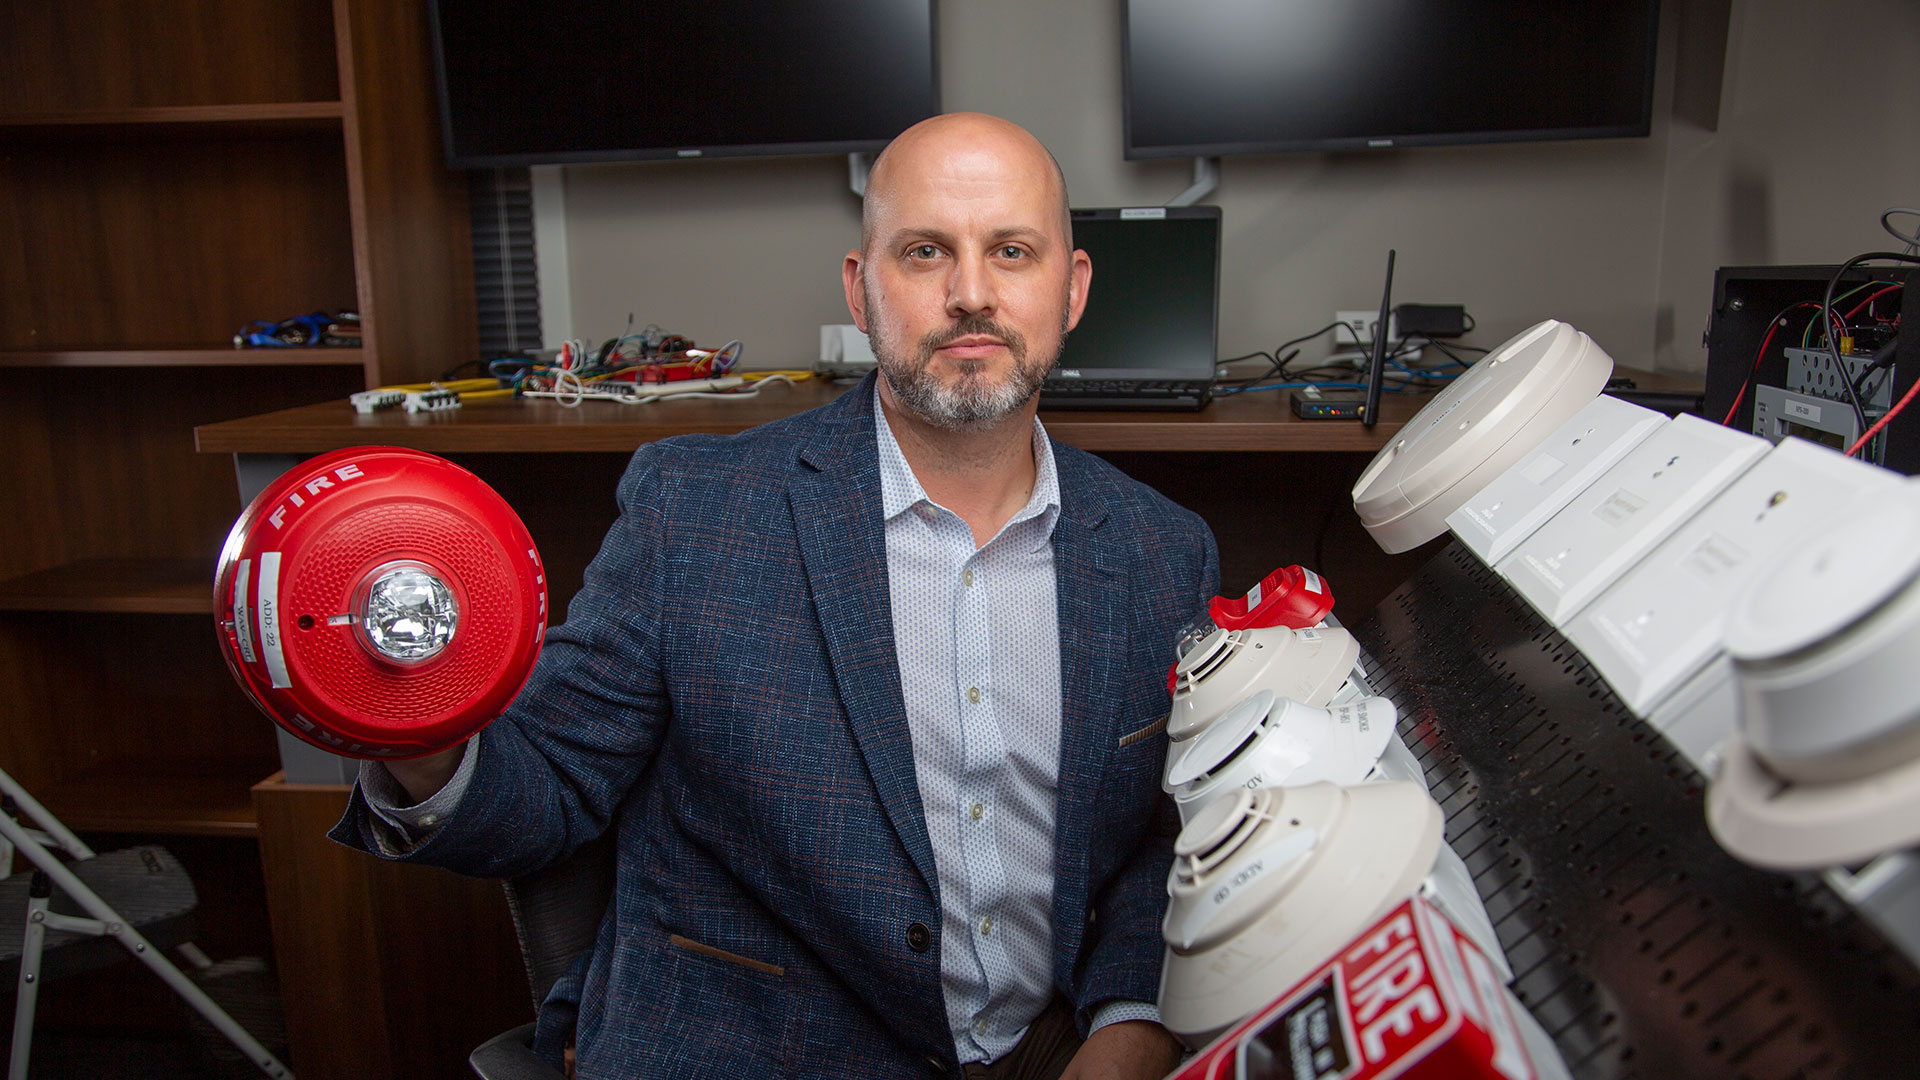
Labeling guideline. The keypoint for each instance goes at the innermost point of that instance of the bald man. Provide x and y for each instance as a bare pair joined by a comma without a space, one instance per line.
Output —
872,698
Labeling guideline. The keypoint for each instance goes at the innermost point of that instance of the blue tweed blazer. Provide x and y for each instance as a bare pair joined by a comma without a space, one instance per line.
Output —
724,694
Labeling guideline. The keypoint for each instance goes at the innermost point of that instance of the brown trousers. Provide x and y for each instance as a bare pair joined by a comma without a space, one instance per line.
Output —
1043,1053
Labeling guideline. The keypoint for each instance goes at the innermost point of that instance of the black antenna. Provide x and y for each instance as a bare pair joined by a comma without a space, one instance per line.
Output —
1376,369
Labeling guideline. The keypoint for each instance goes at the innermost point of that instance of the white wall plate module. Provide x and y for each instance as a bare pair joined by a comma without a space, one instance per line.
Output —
1520,500
1667,617
1475,429
1701,715
1639,502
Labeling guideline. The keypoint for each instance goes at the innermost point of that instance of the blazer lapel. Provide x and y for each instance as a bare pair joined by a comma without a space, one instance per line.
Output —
1093,605
836,512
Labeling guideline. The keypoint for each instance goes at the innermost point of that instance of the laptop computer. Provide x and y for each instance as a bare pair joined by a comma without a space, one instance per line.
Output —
1149,336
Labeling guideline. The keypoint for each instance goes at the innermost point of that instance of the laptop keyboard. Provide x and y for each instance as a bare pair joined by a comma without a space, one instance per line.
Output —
1124,394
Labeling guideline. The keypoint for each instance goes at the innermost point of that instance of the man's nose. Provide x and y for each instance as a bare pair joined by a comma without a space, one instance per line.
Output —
970,288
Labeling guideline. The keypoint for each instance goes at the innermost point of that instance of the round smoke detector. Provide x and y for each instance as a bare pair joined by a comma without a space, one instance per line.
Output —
1275,742
1225,667
1267,883
1825,767
1475,429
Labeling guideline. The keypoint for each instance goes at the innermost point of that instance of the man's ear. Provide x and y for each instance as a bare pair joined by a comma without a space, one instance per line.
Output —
850,269
1079,279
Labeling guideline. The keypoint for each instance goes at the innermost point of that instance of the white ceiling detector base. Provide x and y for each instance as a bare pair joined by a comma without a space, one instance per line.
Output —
1765,820
1476,429
1227,666
1267,884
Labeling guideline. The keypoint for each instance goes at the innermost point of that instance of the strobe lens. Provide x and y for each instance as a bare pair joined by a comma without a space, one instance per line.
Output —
409,615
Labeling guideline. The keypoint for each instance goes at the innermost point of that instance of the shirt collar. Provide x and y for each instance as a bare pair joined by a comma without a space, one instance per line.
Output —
900,490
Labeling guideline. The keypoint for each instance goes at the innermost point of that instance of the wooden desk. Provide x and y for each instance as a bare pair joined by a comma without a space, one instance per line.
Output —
1259,421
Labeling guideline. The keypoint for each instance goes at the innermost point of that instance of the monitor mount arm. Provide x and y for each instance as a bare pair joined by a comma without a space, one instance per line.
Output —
1206,177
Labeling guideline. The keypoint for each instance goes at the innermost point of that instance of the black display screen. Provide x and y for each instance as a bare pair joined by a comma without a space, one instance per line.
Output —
1206,77
1154,302
552,81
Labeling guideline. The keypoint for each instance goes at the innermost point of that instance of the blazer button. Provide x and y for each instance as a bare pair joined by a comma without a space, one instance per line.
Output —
919,937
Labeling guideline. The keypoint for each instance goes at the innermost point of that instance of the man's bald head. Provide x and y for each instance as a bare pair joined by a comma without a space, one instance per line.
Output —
935,142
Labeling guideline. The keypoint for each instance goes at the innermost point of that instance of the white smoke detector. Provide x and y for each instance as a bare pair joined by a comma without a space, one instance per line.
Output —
1825,769
1476,429
1225,667
1272,742
1267,883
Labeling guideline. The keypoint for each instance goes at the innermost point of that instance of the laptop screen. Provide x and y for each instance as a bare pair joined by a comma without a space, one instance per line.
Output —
1153,309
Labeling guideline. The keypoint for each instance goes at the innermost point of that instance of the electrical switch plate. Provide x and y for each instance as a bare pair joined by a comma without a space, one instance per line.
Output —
1639,502
1521,499
1475,429
1667,617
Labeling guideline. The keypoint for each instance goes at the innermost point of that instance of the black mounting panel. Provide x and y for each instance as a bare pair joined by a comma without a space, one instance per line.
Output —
1641,946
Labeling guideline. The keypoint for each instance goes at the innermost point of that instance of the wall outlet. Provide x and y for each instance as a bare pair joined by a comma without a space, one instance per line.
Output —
1356,327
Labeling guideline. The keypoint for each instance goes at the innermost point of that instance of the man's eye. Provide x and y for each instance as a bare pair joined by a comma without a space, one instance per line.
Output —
923,251
1013,251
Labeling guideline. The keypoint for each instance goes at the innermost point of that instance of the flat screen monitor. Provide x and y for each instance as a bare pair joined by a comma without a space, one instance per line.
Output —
1214,77
527,82
1153,306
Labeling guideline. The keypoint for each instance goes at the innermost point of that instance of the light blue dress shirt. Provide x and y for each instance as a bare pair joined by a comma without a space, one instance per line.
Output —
977,635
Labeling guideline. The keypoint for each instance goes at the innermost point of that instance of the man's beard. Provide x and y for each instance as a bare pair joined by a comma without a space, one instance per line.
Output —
975,402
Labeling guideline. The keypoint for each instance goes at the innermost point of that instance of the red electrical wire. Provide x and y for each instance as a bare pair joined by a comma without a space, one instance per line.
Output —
1778,321
1891,413
1857,308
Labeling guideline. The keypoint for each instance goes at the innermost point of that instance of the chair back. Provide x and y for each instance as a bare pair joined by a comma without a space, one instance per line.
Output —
557,911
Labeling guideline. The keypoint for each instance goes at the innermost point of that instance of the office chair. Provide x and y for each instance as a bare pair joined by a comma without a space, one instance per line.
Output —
556,915
140,896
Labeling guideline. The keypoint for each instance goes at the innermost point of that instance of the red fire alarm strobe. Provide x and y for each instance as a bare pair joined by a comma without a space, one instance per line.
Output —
380,602
1291,596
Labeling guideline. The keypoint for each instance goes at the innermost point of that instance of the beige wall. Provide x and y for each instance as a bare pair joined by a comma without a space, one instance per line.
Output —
1603,233
1819,132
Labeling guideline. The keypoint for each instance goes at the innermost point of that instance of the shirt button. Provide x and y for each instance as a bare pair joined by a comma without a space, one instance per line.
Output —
919,938
977,811
973,695
966,577
926,512
980,1026
986,924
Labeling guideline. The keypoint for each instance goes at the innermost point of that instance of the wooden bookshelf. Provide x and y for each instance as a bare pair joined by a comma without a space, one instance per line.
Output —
154,586
184,357
135,797
174,170
175,121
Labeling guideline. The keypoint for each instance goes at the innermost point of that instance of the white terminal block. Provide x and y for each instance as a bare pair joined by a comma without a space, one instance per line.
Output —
1474,430
1666,619
1520,500
1641,501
